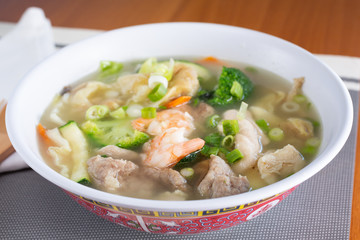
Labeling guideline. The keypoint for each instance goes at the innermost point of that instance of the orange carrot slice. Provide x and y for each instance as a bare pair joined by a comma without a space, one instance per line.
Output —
178,101
42,132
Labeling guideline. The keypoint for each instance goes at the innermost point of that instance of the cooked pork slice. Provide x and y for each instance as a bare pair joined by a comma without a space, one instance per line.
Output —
296,88
119,153
200,112
279,164
220,181
169,177
301,128
109,173
249,140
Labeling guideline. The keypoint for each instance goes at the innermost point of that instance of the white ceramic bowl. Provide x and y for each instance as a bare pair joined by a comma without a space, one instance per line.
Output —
325,89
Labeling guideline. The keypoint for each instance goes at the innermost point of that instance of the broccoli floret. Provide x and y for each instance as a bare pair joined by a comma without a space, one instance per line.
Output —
114,132
222,94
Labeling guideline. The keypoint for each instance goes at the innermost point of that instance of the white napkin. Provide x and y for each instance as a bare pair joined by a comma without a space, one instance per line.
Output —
21,49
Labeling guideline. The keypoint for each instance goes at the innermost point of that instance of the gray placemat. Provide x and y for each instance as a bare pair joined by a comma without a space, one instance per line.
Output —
320,208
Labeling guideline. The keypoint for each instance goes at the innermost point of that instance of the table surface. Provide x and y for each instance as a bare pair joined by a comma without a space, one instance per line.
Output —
319,26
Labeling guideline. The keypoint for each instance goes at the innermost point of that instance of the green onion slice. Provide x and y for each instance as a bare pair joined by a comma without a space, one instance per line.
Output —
237,90
187,173
96,112
119,113
213,139
299,98
264,125
276,134
213,121
231,127
228,141
110,67
234,155
242,111
148,112
157,93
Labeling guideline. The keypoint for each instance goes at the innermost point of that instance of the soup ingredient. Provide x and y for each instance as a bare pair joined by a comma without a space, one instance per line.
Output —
249,141
118,153
222,95
264,125
187,173
213,121
168,148
178,101
134,110
97,112
204,75
311,146
156,79
290,107
165,119
171,178
276,134
43,134
151,66
109,173
228,142
157,93
119,113
280,163
242,111
296,88
79,151
148,112
230,127
110,67
114,132
220,180
236,90
301,128
234,155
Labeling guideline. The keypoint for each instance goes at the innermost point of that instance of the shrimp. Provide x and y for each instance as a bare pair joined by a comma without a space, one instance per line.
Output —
168,148
164,120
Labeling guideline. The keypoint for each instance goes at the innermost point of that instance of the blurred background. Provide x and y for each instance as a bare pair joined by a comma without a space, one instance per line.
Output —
320,26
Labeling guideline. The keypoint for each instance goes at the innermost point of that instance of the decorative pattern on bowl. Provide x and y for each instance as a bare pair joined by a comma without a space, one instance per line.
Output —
180,222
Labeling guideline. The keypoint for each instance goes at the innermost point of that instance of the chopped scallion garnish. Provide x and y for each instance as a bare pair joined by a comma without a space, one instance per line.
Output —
227,141
187,173
119,113
276,134
242,111
148,112
264,125
157,93
213,139
231,127
299,98
213,121
110,67
237,90
96,112
234,155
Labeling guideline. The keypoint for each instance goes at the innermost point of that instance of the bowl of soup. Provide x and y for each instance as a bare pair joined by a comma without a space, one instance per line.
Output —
179,128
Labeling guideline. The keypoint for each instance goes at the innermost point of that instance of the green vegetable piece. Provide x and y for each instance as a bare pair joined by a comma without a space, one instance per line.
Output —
300,98
276,134
191,157
114,132
313,142
119,113
148,112
110,67
264,125
79,151
236,90
157,93
151,66
222,95
242,111
187,173
213,121
309,150
234,155
231,127
228,142
213,139
208,150
136,140
97,112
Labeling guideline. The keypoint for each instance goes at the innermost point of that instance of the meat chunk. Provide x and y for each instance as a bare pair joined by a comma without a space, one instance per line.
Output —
296,88
200,112
220,181
169,177
301,128
118,153
248,140
280,164
110,173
